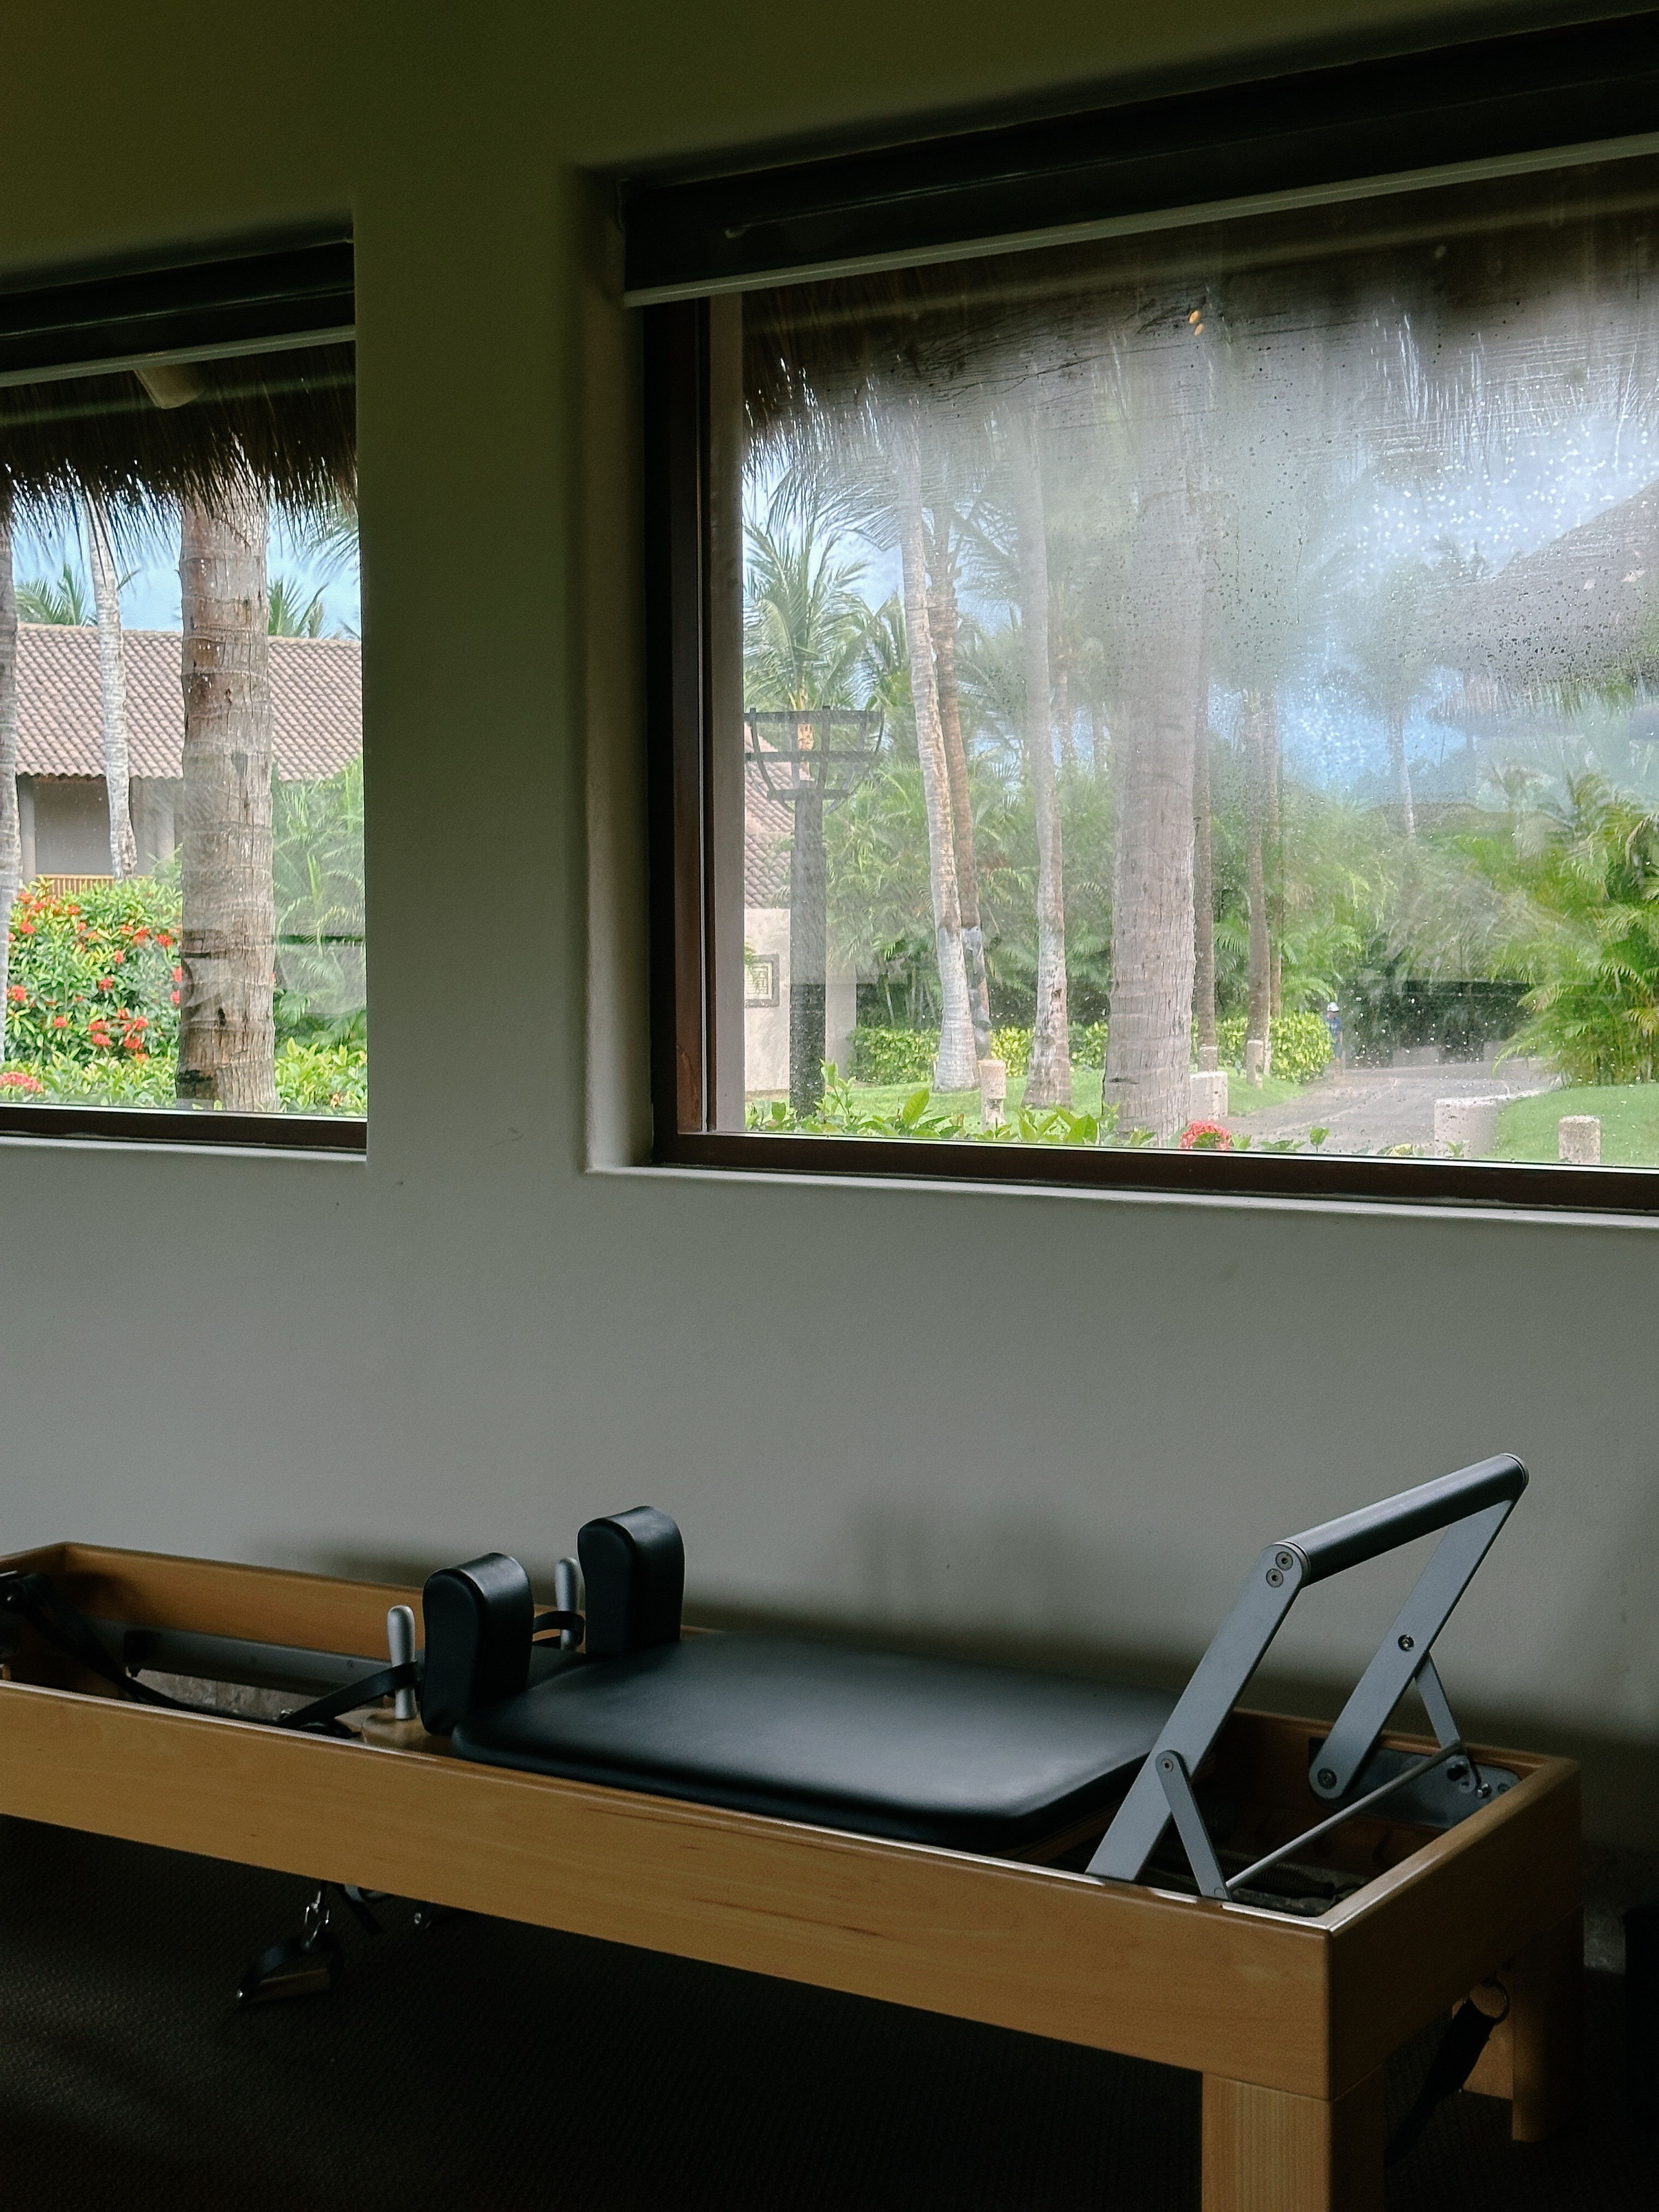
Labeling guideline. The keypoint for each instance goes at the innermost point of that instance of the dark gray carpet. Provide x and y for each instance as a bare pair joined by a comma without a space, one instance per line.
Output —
484,2062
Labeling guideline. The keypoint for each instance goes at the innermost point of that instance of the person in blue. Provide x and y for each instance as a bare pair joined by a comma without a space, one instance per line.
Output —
1334,1023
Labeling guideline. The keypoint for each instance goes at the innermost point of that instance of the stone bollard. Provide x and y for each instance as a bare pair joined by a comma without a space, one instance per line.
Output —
1579,1140
1258,1060
1207,1095
1209,1059
1466,1128
992,1093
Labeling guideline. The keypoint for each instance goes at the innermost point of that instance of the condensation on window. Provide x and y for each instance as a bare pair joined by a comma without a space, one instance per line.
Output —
1202,689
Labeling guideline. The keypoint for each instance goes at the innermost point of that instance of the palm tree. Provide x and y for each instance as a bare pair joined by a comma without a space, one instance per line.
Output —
1390,653
11,842
291,614
1161,379
1049,1082
112,691
227,1034
956,1067
60,600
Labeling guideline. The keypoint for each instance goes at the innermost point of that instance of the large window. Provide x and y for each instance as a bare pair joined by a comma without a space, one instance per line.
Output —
181,792
1178,706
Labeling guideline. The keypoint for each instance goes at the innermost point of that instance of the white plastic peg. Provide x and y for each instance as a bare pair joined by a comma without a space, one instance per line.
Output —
400,1642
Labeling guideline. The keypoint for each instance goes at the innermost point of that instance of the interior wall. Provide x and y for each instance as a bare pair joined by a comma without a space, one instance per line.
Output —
1061,1423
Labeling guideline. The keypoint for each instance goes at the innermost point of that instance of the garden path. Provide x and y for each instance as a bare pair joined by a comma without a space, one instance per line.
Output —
1365,1108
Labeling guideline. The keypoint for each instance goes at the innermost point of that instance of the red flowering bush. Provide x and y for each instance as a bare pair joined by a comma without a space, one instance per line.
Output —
91,976
1207,1137
17,1083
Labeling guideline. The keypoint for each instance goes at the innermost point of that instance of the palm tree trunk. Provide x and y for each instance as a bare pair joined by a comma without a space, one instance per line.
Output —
1402,769
1203,860
11,842
1257,708
226,1038
112,689
958,1066
1148,1034
1050,1080
943,620
1275,865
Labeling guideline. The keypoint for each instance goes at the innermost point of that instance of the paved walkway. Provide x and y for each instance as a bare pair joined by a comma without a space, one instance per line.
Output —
1366,1108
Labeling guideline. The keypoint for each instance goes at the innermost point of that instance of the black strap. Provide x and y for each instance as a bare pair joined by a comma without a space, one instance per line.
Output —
37,1599
564,1622
1448,2069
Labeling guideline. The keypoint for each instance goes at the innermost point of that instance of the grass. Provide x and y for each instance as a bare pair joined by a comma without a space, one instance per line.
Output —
1629,1114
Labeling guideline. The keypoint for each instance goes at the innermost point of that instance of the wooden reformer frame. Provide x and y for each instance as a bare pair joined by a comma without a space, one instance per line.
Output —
1288,2019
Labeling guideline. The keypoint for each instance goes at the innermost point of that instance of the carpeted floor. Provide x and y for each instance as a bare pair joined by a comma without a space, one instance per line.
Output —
483,2063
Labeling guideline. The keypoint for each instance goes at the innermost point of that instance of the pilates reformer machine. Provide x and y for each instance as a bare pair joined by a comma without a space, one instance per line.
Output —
1275,1904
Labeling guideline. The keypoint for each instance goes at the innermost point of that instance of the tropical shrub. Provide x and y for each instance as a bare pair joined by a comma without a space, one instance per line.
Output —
94,978
310,1080
891,1055
1301,1044
894,1055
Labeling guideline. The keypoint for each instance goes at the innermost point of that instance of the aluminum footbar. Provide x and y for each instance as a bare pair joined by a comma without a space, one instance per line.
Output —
1471,1506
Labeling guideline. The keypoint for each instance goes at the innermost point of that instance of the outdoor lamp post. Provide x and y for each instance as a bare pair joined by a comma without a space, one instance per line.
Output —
810,758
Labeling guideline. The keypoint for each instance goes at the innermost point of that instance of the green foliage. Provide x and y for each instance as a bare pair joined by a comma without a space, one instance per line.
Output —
1301,1044
62,599
894,1055
290,614
94,978
1574,882
310,1080
317,872
897,1055
92,1000
842,1113
322,1078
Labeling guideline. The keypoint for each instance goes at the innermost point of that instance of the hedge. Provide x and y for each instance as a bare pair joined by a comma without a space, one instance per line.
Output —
882,1055
1301,1044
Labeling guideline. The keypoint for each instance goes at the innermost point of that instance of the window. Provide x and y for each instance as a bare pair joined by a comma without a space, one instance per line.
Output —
1176,695
181,792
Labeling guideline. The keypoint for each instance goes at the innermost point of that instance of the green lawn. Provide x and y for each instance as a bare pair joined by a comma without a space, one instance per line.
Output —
1629,1114
1241,1099
1244,1099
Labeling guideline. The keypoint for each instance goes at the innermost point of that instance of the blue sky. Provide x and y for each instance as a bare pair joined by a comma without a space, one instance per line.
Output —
150,598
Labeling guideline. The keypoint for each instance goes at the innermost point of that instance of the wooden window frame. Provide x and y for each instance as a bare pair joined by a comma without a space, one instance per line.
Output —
269,294
1532,99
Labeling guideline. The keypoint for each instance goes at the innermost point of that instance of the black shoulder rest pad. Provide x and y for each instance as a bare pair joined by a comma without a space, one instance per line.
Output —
479,1619
634,1567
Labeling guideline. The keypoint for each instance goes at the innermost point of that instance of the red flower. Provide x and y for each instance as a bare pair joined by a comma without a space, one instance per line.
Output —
60,1021
178,975
121,955
16,991
175,998
26,927
106,983
134,1043
1207,1137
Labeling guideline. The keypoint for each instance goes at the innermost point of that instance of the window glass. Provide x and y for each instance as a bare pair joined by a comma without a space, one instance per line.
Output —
1201,689
181,788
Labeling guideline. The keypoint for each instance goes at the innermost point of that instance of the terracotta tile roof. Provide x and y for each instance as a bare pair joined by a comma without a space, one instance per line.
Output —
767,831
316,702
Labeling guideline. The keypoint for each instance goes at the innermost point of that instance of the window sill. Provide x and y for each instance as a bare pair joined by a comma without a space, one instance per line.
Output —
126,1128
1622,1198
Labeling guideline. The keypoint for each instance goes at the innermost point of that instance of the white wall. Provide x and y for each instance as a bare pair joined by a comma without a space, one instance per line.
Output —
1071,1420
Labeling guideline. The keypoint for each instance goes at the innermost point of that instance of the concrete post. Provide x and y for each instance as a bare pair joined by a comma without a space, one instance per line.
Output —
993,1092
1579,1138
1208,1095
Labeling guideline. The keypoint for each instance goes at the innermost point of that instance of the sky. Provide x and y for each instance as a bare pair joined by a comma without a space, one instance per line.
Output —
149,596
